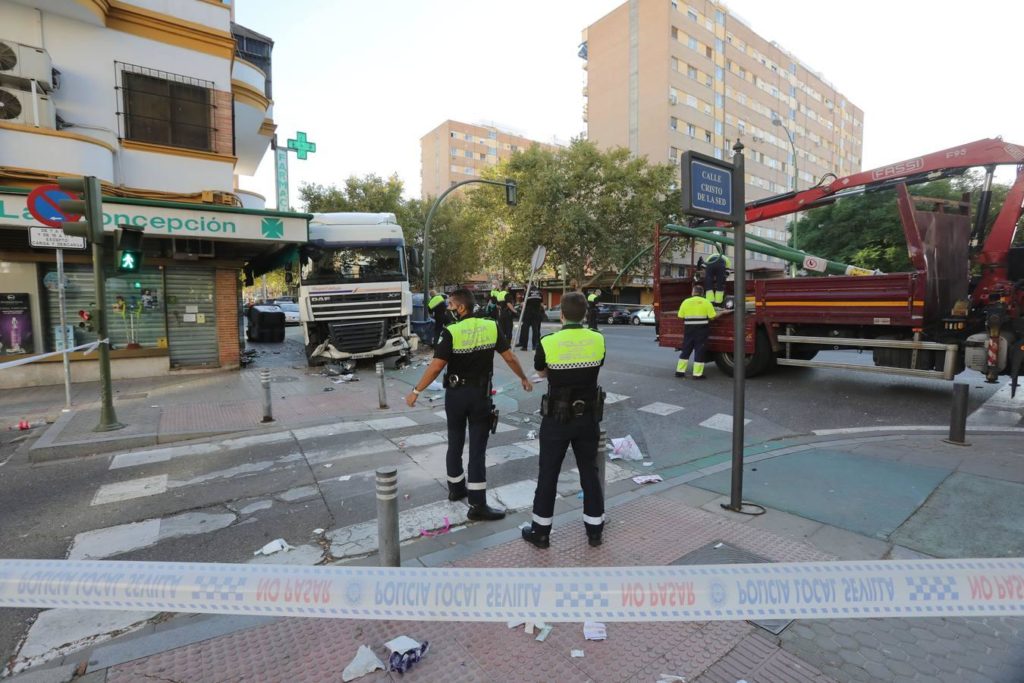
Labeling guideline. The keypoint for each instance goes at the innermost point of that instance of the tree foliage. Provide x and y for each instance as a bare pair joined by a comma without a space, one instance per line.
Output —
592,209
865,230
370,193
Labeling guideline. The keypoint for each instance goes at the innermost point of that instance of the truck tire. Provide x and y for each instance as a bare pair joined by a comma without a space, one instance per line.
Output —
762,360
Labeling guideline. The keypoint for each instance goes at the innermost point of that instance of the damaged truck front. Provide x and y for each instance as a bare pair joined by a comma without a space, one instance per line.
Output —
354,297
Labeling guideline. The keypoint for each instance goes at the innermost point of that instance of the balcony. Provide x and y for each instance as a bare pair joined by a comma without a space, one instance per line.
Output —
254,127
56,151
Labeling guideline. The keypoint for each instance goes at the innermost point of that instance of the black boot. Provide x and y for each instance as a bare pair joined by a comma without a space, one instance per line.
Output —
484,513
594,539
539,540
457,491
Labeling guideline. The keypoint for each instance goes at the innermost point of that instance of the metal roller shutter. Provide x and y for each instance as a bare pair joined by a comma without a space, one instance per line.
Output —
191,317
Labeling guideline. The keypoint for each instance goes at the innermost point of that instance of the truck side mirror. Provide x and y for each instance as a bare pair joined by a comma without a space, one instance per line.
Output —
412,256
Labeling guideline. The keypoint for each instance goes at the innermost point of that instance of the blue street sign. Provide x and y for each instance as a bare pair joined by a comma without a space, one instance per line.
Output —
710,188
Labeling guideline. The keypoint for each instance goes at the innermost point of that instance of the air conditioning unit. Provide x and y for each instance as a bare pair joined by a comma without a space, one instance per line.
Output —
191,249
26,108
24,63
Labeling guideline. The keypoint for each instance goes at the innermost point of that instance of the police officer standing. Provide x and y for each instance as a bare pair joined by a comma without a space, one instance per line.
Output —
505,310
437,306
466,350
697,313
714,277
572,409
592,308
532,317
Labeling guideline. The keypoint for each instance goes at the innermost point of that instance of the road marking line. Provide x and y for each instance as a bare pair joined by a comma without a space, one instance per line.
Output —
391,423
122,538
721,422
128,490
659,408
611,398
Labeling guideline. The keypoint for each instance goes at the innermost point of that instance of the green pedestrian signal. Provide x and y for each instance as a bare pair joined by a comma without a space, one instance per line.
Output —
129,249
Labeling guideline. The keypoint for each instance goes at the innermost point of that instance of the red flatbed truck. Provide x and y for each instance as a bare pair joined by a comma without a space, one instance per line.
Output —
931,322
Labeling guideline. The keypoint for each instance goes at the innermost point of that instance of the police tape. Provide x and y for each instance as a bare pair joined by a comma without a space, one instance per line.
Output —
88,348
814,590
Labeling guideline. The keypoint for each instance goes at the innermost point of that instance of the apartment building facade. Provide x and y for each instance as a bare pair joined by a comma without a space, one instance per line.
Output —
666,76
457,151
161,102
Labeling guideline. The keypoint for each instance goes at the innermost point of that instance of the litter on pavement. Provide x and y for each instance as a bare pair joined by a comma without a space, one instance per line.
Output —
626,449
532,434
445,528
594,630
275,546
670,678
405,652
648,464
544,633
647,478
318,531
576,653
365,662
345,477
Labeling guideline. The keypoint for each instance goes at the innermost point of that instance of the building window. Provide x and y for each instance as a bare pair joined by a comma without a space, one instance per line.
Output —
719,46
468,154
718,153
691,130
719,73
707,136
455,152
718,127
707,51
492,134
720,17
482,156
691,72
165,109
673,123
719,100
691,15
493,151
467,136
675,33
692,43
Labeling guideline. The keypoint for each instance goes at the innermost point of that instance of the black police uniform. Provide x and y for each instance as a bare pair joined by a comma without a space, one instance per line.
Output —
532,317
572,411
467,400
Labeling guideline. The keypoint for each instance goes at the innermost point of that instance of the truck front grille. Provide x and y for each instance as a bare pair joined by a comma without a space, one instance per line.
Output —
357,337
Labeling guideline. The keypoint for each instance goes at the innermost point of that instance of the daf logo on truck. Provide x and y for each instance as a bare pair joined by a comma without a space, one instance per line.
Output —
354,288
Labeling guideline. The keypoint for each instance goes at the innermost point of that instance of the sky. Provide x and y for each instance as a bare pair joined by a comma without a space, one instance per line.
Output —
366,79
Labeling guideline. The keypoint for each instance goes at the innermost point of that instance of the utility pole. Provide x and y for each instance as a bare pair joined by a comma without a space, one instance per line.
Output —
90,207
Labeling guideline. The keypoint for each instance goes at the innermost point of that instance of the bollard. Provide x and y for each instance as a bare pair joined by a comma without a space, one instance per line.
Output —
268,412
382,394
958,416
387,517
602,458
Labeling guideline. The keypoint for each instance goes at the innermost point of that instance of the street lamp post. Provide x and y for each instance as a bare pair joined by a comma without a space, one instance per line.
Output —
777,121
510,197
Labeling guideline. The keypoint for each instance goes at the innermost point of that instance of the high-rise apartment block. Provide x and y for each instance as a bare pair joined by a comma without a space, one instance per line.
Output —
666,76
456,151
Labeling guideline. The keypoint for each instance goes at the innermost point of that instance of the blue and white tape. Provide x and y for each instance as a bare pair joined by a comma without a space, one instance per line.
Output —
86,348
814,590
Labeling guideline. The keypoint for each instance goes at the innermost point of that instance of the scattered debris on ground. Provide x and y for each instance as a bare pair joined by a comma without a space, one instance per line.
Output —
275,546
647,478
595,630
405,653
365,662
626,449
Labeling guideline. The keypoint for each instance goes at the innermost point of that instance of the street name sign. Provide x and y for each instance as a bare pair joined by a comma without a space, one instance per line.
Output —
708,188
53,238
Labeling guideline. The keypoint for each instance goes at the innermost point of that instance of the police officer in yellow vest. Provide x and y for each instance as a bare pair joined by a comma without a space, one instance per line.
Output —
572,409
466,350
506,312
697,313
438,309
592,308
714,277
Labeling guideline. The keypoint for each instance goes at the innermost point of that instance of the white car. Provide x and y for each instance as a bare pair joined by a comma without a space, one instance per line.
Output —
645,316
291,313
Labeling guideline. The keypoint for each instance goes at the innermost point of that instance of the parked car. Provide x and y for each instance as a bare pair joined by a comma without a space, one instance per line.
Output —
613,314
553,314
645,316
291,312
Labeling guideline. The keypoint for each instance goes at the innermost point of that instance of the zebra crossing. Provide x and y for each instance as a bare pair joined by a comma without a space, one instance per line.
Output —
330,467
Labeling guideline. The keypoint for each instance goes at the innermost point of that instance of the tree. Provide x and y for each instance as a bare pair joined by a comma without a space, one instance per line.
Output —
456,238
592,209
370,193
866,230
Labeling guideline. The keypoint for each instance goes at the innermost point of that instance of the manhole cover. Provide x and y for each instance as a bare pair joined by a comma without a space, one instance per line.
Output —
719,552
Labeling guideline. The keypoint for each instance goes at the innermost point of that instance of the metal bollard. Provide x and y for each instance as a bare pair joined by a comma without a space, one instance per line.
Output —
387,517
268,411
958,416
382,393
602,458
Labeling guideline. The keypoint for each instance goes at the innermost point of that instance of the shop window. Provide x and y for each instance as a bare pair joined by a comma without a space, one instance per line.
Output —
165,109
135,306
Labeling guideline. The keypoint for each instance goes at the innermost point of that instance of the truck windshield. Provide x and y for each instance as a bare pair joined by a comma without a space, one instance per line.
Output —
334,265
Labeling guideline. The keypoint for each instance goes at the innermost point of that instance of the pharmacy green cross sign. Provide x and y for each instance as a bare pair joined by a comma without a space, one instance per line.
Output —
301,145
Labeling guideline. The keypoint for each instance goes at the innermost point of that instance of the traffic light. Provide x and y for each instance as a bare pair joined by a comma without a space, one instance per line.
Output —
87,319
89,207
129,249
562,271
511,189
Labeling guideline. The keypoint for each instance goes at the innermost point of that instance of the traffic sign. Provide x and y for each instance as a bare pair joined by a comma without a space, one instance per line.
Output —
815,264
44,205
537,260
54,238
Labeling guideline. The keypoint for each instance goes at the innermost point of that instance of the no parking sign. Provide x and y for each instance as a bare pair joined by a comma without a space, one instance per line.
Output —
44,205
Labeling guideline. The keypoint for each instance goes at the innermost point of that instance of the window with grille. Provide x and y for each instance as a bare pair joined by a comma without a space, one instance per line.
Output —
165,109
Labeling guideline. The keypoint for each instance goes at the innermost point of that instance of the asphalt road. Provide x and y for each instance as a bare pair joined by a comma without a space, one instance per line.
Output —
224,500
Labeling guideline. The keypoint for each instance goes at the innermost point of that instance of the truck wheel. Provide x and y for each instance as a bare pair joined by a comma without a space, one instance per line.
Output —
762,360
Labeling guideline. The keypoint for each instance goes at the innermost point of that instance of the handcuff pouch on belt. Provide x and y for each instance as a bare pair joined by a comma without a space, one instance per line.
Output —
453,381
566,408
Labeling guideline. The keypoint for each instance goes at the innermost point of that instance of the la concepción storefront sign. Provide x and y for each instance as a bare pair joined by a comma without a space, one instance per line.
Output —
180,220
